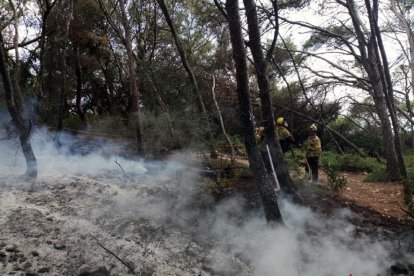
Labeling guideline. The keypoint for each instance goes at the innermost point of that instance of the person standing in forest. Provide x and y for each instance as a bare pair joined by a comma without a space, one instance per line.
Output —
261,143
285,137
313,151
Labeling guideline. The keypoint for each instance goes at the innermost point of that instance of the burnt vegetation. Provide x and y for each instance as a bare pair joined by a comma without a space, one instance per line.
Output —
113,96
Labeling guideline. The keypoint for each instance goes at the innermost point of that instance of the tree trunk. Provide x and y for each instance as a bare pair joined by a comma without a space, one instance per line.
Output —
78,72
223,129
133,82
282,172
23,127
388,87
63,97
370,60
186,64
18,96
393,169
260,175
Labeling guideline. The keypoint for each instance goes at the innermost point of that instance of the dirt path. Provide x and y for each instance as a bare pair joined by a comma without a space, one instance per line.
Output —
384,198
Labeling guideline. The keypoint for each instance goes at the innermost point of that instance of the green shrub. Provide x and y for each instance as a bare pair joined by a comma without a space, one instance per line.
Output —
378,175
335,180
348,162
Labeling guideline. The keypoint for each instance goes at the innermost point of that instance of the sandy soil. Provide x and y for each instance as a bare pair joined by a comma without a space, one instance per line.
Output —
385,198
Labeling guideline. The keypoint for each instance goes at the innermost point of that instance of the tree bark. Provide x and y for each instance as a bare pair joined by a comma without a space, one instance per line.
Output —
133,82
78,72
186,64
63,95
370,60
222,127
260,175
282,172
23,127
388,86
18,96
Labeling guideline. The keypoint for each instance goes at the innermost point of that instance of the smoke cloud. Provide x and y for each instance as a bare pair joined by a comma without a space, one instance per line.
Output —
161,215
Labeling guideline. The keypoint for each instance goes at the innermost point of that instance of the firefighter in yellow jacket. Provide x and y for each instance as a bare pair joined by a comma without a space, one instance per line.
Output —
285,137
313,151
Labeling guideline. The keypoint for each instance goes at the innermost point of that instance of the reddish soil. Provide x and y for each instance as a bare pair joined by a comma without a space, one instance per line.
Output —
384,198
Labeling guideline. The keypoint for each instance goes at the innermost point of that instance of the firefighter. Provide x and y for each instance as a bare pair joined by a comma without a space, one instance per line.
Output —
285,137
261,143
313,151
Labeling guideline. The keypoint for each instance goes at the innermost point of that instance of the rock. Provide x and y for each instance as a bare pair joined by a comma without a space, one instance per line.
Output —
22,259
84,269
35,253
59,246
26,265
11,248
102,271
44,270
2,254
31,274
17,267
2,244
13,258
399,268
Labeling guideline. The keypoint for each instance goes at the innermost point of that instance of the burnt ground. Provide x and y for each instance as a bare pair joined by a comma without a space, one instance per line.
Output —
162,222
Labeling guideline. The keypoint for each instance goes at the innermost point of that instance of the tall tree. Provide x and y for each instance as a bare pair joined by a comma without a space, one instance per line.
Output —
267,110
362,41
22,125
186,64
134,96
260,175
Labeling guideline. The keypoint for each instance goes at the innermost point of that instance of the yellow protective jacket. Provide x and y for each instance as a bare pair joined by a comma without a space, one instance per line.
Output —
260,138
283,133
314,148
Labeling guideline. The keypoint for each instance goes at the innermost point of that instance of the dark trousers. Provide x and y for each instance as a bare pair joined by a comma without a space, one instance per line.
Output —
313,164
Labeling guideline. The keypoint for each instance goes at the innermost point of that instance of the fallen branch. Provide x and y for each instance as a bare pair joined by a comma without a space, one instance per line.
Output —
122,169
131,269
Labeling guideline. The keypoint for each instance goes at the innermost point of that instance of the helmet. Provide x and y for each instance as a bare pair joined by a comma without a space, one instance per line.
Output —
313,127
280,121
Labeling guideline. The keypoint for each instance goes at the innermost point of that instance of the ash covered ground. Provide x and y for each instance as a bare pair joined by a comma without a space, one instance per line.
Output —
95,212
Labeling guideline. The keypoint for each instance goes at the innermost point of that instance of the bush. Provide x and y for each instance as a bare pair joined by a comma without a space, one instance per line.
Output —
335,180
349,162
378,175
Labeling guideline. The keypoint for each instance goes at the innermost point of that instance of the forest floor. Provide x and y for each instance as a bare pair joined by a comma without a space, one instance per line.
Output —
155,218
385,198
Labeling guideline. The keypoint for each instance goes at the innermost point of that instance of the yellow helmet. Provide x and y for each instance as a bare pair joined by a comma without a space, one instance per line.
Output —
280,121
313,127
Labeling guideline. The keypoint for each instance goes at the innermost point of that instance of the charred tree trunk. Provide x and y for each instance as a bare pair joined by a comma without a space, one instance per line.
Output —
78,72
18,95
267,112
133,82
62,95
260,175
23,127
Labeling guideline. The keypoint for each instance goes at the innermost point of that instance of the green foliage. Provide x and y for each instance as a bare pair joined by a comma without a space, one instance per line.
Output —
335,180
163,132
378,175
318,39
349,162
368,139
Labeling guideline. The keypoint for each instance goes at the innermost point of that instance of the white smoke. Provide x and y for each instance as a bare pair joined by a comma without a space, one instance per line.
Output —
168,197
